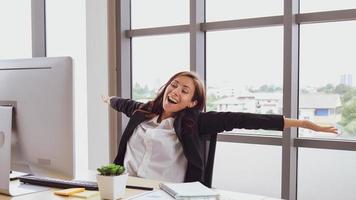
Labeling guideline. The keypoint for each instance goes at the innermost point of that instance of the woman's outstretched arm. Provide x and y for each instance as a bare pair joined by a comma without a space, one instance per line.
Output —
126,106
216,122
288,122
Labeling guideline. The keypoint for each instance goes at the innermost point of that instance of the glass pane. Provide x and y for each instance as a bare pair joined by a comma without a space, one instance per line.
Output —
254,169
156,13
327,69
245,71
154,60
15,34
220,10
326,174
307,6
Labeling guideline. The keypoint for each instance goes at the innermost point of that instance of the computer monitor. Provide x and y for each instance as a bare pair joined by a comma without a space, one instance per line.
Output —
40,90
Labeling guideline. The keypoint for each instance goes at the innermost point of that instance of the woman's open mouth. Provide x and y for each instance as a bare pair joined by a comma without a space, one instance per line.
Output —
171,100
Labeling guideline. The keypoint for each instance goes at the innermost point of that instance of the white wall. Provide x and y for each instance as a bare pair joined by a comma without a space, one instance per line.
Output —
97,79
66,36
82,33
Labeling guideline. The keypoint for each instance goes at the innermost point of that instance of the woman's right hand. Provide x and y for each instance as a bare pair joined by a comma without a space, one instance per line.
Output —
106,98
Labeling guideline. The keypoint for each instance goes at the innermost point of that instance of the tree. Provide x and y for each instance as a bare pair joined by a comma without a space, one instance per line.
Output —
351,127
342,89
210,100
349,116
349,95
267,88
329,88
139,92
304,91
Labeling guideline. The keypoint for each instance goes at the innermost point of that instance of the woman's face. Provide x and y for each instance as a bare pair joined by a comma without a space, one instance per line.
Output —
178,95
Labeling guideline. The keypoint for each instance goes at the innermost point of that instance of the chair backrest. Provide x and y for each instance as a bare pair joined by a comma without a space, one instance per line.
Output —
210,146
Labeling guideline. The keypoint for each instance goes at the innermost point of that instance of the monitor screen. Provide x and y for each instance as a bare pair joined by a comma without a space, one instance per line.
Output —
41,93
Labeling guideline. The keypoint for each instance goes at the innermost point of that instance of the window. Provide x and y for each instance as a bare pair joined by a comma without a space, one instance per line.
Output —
307,6
326,77
15,34
154,60
326,174
321,112
222,10
156,13
244,71
251,168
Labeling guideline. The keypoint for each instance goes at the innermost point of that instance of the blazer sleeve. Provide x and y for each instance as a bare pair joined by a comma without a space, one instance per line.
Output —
126,106
216,122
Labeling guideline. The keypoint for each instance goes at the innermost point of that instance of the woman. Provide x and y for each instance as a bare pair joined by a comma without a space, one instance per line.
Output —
163,139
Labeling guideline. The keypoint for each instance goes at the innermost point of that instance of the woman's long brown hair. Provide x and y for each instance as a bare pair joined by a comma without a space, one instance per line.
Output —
155,107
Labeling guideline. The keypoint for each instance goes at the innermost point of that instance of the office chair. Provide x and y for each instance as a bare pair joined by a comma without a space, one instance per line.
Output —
209,155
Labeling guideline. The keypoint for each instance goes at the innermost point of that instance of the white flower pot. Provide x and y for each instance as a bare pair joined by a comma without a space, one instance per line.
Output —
112,187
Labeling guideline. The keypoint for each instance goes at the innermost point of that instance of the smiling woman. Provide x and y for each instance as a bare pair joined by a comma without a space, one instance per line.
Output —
183,90
164,137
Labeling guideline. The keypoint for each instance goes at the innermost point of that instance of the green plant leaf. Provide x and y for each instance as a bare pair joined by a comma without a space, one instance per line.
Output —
111,170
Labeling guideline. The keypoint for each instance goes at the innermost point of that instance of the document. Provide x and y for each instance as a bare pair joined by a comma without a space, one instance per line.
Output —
191,190
152,195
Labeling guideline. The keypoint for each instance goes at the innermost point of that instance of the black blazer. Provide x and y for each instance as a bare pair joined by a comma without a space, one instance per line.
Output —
191,135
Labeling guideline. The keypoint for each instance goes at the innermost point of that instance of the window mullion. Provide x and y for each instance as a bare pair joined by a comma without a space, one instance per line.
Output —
290,98
38,24
197,37
326,16
123,58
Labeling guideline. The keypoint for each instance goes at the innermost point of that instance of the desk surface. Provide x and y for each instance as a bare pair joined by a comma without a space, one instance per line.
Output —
49,195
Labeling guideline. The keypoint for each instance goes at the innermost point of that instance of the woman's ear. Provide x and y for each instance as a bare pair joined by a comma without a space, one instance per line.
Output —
193,103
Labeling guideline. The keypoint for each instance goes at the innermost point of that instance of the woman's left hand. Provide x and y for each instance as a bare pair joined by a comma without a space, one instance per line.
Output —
288,122
316,127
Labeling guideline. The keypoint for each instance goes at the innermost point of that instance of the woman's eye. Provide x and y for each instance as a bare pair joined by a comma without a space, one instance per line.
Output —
185,91
174,85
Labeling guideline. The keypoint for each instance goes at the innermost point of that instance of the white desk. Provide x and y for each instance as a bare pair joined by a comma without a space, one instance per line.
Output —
48,195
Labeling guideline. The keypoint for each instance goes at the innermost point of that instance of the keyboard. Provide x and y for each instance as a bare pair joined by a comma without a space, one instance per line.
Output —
58,183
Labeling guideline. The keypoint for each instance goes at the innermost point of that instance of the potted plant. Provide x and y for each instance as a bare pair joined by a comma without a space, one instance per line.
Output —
112,181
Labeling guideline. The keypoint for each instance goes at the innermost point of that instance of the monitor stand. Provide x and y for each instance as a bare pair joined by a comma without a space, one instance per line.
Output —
12,188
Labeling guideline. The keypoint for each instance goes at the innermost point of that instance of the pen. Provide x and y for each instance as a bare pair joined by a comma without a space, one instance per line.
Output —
138,187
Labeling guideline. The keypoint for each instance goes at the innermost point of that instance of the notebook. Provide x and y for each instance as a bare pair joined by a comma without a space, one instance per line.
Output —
188,190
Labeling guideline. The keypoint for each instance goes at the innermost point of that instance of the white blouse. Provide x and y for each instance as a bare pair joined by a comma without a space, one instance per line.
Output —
155,152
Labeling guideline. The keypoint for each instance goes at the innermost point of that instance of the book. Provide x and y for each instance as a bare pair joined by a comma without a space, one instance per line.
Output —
190,190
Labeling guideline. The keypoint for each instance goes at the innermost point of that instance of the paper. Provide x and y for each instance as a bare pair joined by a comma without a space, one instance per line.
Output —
152,195
228,195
